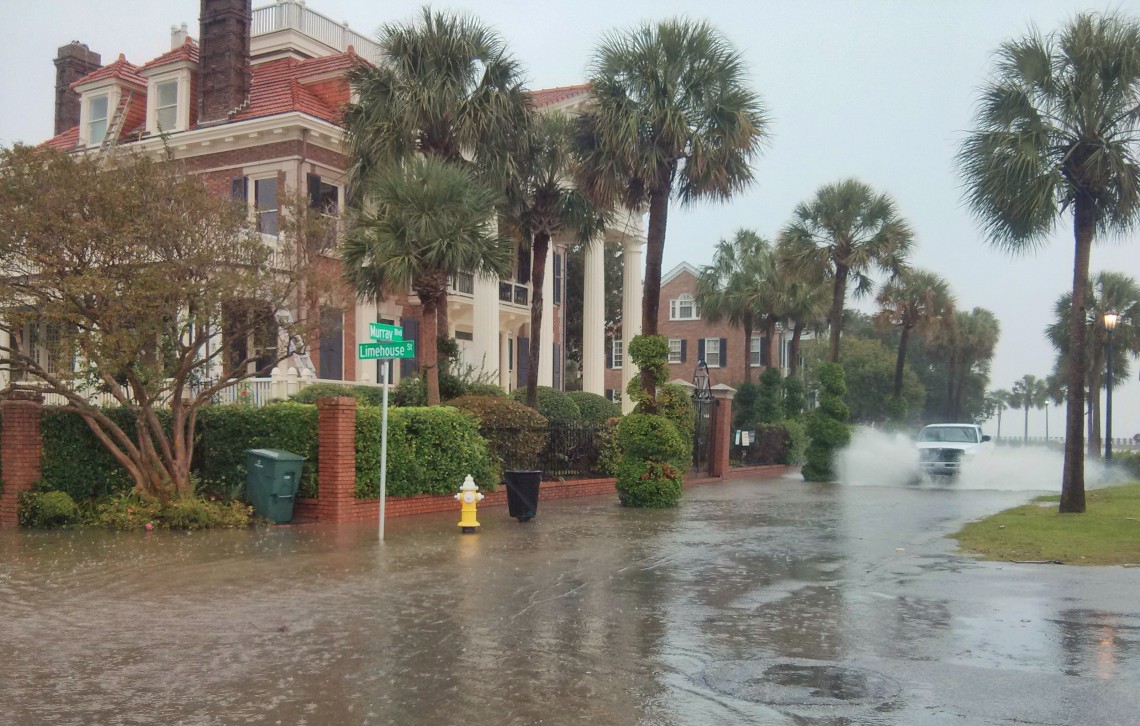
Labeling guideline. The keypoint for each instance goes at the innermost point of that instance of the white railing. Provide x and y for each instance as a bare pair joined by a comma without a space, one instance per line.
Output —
293,15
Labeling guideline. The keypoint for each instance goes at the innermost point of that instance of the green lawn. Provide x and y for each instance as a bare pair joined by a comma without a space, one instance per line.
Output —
1108,533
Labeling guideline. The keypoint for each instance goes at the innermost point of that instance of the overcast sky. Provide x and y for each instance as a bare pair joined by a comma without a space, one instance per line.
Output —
882,91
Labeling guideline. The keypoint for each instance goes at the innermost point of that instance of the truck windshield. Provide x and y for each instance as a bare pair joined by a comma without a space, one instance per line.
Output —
954,434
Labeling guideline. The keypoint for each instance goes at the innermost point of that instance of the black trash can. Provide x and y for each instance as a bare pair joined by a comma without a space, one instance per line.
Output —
522,494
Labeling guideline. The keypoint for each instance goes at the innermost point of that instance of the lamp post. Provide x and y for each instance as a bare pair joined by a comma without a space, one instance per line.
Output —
1111,318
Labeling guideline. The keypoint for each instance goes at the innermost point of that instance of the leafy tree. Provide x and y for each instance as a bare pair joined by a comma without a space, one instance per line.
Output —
671,116
446,86
1107,291
841,236
740,286
117,280
868,369
915,300
421,223
542,202
1056,131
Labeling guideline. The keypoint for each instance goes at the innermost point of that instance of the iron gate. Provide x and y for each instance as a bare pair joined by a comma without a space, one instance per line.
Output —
702,433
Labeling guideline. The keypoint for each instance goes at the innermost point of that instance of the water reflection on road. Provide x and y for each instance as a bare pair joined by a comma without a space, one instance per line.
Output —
755,602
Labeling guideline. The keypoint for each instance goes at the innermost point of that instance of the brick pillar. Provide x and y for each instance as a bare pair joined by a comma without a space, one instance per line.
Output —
722,429
336,458
20,449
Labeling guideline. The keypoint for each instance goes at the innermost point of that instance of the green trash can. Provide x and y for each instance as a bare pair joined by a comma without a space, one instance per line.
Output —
271,481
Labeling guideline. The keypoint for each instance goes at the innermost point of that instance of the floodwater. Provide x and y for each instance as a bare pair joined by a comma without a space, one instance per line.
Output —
774,602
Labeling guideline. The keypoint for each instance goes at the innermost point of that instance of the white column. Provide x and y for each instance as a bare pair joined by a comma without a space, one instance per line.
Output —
546,360
504,360
365,315
484,347
594,319
630,311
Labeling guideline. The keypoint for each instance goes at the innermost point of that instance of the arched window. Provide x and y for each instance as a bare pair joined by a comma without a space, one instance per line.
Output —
684,307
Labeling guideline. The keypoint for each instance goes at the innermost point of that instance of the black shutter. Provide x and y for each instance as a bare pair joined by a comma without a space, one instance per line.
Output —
558,366
684,349
314,182
610,353
701,350
524,360
724,352
557,280
764,352
411,366
239,188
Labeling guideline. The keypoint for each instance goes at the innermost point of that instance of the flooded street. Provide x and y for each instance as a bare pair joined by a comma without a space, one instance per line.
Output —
774,602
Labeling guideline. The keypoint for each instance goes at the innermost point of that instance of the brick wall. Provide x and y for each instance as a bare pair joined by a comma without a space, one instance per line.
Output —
20,449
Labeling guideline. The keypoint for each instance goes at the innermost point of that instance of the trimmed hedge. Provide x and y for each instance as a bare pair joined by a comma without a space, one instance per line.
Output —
225,432
76,462
515,434
46,509
365,395
556,406
430,451
593,408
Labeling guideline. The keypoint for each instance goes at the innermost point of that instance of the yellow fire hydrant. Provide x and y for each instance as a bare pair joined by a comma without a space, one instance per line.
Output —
469,496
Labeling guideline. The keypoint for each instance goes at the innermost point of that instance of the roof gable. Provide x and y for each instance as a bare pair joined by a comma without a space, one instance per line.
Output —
185,53
676,272
121,69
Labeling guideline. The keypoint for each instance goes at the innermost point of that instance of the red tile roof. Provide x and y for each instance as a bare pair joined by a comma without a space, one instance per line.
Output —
274,88
65,141
121,69
185,53
551,96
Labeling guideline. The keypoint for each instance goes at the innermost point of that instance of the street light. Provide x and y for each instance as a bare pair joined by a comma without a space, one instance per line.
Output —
1111,318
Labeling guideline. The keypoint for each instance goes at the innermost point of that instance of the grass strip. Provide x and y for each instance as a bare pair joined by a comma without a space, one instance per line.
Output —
1108,533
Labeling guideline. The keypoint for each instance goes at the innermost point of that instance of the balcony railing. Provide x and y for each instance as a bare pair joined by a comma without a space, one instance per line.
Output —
293,15
514,293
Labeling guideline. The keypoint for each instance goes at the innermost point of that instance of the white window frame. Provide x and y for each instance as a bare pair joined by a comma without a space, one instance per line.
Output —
159,108
257,211
709,344
617,352
106,118
754,356
675,350
684,299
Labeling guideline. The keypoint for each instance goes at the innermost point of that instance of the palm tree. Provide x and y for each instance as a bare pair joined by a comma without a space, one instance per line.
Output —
542,202
807,306
840,236
421,223
1000,400
1106,291
1027,394
916,300
1056,131
444,86
967,347
671,117
739,286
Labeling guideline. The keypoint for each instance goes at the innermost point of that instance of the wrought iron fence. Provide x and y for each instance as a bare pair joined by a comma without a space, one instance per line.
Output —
562,451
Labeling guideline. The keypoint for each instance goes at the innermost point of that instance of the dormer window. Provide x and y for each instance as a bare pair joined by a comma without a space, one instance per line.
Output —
97,111
166,105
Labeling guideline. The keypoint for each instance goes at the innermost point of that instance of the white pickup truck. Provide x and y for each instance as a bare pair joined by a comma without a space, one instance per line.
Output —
942,447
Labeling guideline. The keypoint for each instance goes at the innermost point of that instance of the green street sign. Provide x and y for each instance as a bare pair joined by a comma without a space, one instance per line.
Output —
378,351
385,333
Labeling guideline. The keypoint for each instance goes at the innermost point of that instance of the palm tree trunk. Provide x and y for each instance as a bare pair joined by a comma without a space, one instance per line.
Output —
429,362
442,320
999,425
1025,433
1073,475
1095,384
747,325
794,349
838,296
541,247
900,361
651,287
773,342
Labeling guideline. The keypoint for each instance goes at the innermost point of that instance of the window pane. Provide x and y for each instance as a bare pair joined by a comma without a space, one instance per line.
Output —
674,350
712,352
755,352
97,114
167,118
98,108
265,199
97,131
168,94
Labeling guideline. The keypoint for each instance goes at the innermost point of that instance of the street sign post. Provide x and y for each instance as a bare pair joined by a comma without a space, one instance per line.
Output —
384,333
378,351
391,345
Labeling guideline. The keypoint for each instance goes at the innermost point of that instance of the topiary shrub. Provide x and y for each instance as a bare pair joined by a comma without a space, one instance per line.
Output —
650,353
366,395
675,403
652,461
430,450
594,409
558,408
515,434
770,398
46,510
745,406
826,426
794,401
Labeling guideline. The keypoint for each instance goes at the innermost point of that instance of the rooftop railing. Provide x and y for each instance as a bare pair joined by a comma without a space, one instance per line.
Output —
294,15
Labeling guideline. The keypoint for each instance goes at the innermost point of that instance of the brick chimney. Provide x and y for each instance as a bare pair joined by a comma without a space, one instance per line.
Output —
223,52
73,61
